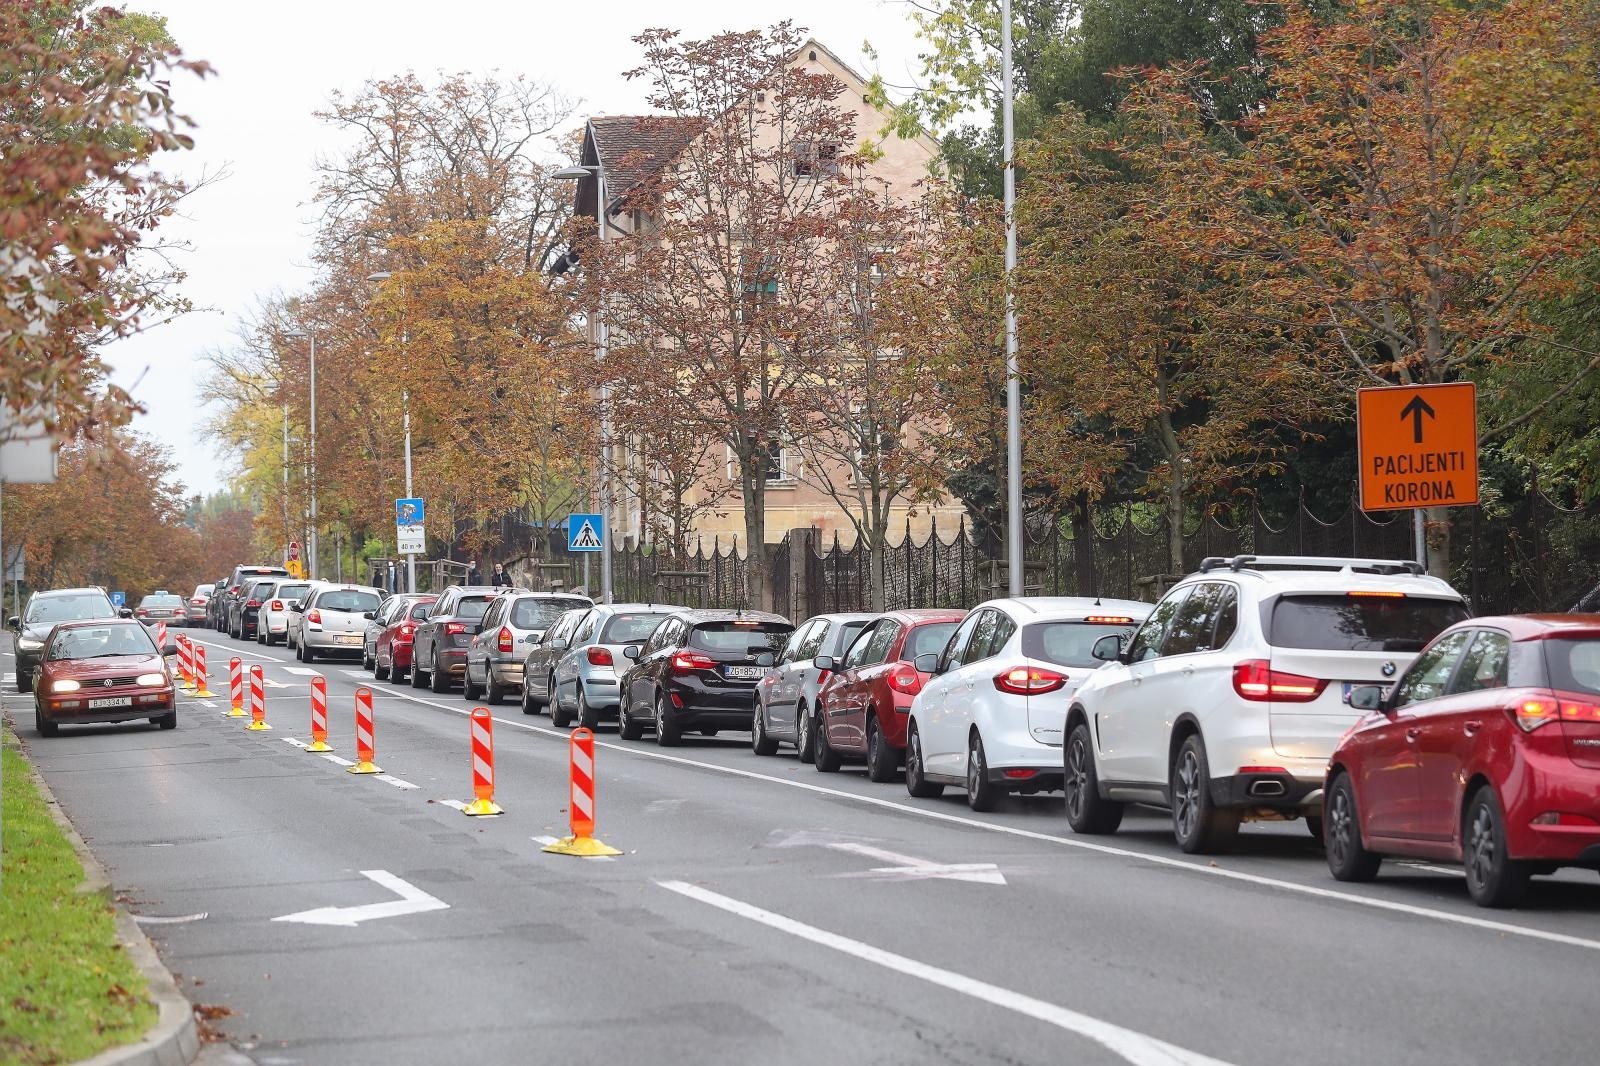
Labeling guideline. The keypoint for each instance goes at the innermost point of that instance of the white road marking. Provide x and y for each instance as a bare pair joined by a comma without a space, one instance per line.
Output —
8,678
247,657
457,804
1132,1046
151,919
338,761
910,868
1374,902
545,842
208,703
267,682
303,671
357,673
1434,869
395,781
302,745
412,901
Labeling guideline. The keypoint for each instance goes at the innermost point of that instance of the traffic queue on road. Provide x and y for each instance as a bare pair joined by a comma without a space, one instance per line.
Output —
1358,696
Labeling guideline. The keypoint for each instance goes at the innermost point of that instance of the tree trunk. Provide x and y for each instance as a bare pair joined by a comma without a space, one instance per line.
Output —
754,487
1436,523
1174,494
876,559
1088,579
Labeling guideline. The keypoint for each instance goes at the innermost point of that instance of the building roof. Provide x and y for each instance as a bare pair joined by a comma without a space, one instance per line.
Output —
632,148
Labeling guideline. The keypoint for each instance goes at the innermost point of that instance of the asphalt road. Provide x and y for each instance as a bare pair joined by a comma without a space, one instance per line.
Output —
763,912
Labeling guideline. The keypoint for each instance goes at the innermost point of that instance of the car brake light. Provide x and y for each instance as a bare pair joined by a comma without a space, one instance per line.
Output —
1573,711
599,656
406,629
196,602
1029,681
275,605
503,639
252,603
314,615
1375,594
141,611
1254,679
453,628
904,678
687,662
1110,619
1020,774
1262,770
1533,713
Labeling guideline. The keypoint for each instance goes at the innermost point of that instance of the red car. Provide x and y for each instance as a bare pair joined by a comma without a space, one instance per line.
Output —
107,670
1486,752
864,705
391,651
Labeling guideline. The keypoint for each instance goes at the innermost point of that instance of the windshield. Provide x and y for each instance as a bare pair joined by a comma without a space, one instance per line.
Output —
928,638
738,638
1574,664
161,601
261,591
1068,643
1339,622
630,628
348,600
473,608
86,642
540,613
68,608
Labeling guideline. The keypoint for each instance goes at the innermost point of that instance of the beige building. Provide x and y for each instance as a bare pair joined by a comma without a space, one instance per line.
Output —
622,151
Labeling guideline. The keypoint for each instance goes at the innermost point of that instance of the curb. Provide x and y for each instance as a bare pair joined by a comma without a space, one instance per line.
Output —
173,1040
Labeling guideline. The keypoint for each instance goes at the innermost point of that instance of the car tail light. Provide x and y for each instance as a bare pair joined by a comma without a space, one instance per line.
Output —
599,656
454,628
1029,681
141,612
406,629
1255,679
314,615
1019,774
252,603
904,678
197,602
1564,818
687,662
1110,619
275,605
1533,713
1262,770
503,639
1575,711
1374,594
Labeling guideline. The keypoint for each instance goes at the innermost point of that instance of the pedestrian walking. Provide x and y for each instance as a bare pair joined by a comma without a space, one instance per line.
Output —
501,578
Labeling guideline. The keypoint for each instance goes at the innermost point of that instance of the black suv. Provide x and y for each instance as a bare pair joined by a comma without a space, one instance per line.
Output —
245,613
699,670
237,590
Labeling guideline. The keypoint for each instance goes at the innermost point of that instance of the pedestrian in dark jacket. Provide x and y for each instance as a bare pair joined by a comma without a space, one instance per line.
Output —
501,578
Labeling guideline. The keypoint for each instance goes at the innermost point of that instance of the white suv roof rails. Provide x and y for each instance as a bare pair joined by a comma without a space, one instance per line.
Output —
1311,562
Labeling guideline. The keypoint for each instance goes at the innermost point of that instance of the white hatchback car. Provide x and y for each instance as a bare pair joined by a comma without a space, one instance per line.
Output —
332,618
272,624
1227,703
990,718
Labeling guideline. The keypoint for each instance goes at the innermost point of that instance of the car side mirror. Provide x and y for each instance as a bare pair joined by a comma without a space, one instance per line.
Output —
369,615
1108,649
296,606
927,662
823,662
14,622
631,652
766,658
124,612
558,644
1367,697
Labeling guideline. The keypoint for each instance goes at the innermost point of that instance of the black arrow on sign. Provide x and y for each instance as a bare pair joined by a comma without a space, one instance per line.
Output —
1414,411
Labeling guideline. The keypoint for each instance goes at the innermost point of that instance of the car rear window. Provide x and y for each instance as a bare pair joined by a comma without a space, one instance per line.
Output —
1574,664
737,637
1360,623
928,638
161,601
1069,643
67,608
473,608
630,628
98,642
291,592
348,600
540,613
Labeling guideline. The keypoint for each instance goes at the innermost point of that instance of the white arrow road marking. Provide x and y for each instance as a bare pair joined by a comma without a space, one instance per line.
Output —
910,868
412,901
1134,1047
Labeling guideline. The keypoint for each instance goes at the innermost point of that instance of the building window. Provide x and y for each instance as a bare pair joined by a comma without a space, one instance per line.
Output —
782,464
816,160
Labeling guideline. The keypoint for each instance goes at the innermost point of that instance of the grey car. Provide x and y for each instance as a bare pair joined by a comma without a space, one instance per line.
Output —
513,624
44,610
332,618
587,672
539,668
787,696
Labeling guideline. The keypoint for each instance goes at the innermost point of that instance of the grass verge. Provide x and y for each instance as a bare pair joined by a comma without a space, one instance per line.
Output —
67,990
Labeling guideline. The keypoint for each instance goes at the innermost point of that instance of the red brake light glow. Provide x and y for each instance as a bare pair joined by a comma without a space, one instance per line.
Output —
275,605
687,662
314,615
1254,679
599,656
1533,713
452,628
252,603
405,630
503,639
904,678
1029,681
1110,619
1374,594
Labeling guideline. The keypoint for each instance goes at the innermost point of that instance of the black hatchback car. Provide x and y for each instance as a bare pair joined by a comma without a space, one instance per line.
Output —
699,670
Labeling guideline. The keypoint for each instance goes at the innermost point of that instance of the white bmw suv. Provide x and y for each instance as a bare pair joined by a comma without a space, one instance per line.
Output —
1228,701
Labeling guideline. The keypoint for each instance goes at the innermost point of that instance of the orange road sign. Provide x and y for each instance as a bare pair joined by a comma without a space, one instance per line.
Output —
1418,446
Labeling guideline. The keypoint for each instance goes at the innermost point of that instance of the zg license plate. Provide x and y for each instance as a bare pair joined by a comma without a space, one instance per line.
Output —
110,701
348,638
743,673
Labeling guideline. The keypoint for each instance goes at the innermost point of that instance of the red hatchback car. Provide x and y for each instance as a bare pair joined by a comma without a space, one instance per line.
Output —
102,671
391,651
1486,752
864,705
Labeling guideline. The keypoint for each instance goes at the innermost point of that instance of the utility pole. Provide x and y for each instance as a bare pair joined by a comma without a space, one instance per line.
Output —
1014,569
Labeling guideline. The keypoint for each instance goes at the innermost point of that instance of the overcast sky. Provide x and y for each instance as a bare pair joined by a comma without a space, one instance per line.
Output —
277,63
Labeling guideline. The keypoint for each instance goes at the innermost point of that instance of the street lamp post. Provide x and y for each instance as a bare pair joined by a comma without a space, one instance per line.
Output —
311,537
597,172
1014,571
405,421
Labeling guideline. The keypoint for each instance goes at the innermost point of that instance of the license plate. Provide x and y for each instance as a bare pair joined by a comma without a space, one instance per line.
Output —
110,701
743,673
348,638
1350,685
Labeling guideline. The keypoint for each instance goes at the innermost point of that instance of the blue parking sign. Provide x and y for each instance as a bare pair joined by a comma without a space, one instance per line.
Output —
586,533
119,599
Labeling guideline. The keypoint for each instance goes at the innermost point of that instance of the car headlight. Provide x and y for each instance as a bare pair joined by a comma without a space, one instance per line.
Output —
68,685
151,679
29,644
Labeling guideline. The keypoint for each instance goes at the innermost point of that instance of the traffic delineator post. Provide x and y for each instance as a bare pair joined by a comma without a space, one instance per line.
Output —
235,687
161,638
185,669
366,740
580,804
258,700
319,714
482,726
202,690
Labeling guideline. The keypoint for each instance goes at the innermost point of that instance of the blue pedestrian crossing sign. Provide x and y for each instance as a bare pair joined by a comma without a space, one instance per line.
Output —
586,533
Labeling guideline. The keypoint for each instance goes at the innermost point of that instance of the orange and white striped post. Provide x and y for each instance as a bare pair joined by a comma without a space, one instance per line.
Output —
235,687
201,689
258,700
580,804
319,714
366,741
185,669
482,764
161,638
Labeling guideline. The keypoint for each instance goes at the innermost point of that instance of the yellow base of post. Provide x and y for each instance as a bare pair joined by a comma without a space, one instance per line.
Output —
237,712
204,694
363,768
259,727
583,847
479,807
319,745
187,686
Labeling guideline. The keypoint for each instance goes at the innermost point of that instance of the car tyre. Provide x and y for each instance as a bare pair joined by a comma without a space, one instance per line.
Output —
439,678
308,654
882,766
380,672
826,760
367,661
982,794
1348,857
529,704
1198,824
24,682
46,727
805,744
588,717
418,678
1087,811
916,784
628,727
669,734
760,742
1494,879
493,691
560,717
469,688
167,721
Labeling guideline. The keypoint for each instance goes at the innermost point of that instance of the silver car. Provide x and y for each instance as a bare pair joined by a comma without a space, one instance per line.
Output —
539,668
513,624
787,701
587,672
272,624
332,618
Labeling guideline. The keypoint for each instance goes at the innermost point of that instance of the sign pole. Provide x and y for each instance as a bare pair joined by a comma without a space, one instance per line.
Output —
1419,531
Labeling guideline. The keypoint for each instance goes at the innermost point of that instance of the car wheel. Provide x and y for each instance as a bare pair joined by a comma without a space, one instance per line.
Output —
308,654
982,794
1348,858
493,692
916,784
881,762
439,677
588,717
47,728
760,743
1494,879
469,687
1087,811
668,732
1198,824
628,727
24,682
827,760
380,672
367,661
529,704
805,747
168,720
559,716
418,678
